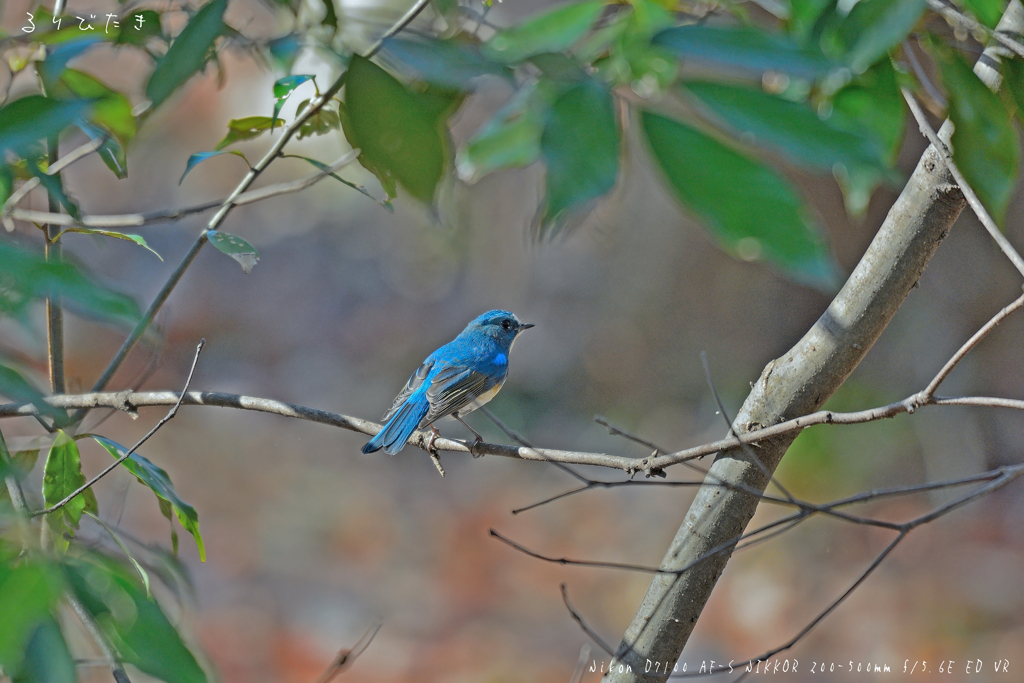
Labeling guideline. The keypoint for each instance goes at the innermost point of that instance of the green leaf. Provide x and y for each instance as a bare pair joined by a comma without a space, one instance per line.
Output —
25,277
246,129
134,623
795,130
136,32
1013,75
872,103
988,12
744,48
200,157
28,593
57,58
6,183
62,476
115,158
806,15
580,146
46,658
160,484
985,146
111,110
322,122
18,389
283,88
235,247
397,137
747,206
137,239
446,63
188,53
29,119
873,27
283,51
54,185
510,139
22,462
323,167
555,30
116,538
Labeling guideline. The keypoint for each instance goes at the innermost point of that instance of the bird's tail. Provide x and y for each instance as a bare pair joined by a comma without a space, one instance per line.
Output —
400,427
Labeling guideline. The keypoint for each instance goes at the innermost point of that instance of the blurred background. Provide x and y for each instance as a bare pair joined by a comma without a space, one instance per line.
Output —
309,541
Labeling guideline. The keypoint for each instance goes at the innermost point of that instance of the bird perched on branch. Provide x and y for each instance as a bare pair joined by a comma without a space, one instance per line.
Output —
455,380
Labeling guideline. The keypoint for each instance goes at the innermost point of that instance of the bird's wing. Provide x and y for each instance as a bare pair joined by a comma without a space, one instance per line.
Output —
453,388
414,383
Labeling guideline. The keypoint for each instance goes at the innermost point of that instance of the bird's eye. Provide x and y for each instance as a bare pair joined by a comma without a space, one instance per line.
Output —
506,323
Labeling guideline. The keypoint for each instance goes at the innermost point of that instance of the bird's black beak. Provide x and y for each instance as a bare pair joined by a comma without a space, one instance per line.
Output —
525,326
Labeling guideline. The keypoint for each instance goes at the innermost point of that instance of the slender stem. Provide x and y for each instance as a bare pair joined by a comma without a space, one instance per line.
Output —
170,414
969,194
54,307
93,629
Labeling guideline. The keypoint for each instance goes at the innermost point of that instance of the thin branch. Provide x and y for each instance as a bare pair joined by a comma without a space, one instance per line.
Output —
135,220
732,432
954,15
315,105
1005,476
97,636
93,629
993,479
583,625
128,402
922,76
347,655
929,391
969,195
170,414
512,434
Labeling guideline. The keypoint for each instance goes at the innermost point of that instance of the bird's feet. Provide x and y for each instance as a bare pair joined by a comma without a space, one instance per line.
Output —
431,448
435,457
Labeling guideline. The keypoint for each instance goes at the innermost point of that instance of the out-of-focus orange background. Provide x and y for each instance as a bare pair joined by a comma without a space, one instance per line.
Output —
309,541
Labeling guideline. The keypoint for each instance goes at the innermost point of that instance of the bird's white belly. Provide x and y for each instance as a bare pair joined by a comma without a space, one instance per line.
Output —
480,400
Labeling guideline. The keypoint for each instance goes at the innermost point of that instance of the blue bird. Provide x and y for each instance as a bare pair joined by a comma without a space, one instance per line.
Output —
455,380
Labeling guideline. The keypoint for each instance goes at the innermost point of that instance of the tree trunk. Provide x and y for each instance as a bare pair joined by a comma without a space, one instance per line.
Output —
796,384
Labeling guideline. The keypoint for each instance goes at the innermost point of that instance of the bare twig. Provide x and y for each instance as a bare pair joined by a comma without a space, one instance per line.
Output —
922,76
929,391
583,625
515,436
170,414
954,15
969,194
732,432
347,655
134,220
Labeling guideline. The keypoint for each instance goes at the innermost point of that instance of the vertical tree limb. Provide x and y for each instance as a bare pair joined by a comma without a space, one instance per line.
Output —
795,384
54,306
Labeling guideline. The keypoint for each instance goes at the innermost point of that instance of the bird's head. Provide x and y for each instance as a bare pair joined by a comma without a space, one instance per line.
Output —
503,325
